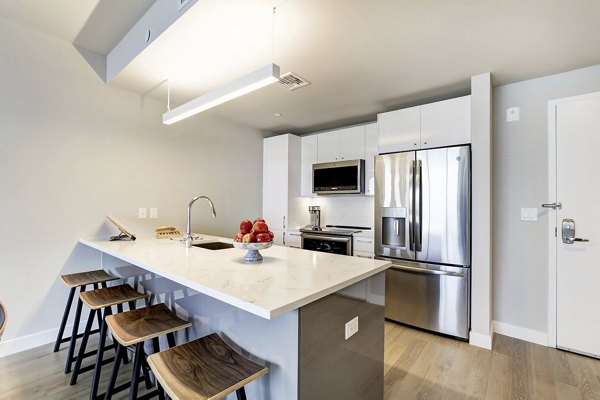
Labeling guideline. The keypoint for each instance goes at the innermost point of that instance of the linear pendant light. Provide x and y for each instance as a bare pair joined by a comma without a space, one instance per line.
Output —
255,80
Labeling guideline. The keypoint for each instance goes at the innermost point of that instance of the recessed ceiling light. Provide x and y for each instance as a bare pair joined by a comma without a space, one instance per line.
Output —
277,115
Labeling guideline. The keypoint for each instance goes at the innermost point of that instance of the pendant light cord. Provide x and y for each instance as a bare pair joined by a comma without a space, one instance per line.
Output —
168,95
273,33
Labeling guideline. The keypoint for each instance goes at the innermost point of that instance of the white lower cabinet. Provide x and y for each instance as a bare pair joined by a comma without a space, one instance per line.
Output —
363,245
292,239
278,236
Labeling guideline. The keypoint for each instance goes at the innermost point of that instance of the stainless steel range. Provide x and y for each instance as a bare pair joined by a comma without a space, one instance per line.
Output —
331,239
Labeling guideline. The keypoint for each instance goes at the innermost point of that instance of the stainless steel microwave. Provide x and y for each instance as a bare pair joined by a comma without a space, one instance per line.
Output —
340,177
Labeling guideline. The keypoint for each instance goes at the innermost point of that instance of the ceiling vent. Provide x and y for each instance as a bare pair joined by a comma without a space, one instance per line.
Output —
292,81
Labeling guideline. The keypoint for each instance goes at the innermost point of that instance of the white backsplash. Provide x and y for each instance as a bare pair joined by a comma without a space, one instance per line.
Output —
351,210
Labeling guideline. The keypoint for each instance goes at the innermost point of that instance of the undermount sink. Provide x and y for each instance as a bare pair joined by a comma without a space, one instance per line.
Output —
214,245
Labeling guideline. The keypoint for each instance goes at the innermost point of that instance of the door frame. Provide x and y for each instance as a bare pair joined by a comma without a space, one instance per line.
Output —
553,236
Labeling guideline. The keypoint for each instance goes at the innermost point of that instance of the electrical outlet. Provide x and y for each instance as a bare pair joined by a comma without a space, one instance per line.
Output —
351,328
142,213
512,114
154,213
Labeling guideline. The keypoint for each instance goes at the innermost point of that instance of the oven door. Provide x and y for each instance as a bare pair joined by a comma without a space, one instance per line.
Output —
327,244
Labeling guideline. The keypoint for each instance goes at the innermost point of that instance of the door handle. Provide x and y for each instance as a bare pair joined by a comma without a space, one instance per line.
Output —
554,206
396,227
426,271
568,232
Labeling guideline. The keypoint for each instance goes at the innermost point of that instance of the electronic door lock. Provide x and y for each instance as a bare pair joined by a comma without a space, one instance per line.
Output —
568,232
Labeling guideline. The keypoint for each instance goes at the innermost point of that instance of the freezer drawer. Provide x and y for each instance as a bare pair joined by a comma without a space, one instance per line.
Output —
431,297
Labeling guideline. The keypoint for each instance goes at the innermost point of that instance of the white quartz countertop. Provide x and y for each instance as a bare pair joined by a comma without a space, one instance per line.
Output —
285,280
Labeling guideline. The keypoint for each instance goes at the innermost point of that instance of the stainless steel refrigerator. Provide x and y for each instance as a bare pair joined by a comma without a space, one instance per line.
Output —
422,224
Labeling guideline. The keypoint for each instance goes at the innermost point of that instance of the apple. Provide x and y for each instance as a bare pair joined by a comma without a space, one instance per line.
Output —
271,234
259,219
238,237
249,238
245,226
263,237
260,227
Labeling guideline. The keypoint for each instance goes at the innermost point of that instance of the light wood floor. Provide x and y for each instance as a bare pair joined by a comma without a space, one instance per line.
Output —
417,366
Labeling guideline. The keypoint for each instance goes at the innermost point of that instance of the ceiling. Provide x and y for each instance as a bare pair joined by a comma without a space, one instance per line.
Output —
362,57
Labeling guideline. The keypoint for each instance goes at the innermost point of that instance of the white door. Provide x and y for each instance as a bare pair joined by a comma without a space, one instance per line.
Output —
577,123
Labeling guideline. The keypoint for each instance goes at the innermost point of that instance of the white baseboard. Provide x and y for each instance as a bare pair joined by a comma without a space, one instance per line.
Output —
519,332
481,340
16,345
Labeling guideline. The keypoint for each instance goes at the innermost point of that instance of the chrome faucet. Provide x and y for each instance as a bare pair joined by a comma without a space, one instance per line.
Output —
188,229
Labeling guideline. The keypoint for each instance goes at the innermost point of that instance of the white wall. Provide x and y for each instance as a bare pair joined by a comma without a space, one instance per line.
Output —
73,150
520,176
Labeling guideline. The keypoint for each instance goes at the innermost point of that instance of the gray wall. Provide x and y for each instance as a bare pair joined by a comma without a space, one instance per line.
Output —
73,150
520,177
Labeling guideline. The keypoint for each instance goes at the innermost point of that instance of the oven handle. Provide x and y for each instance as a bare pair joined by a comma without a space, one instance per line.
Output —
322,237
425,271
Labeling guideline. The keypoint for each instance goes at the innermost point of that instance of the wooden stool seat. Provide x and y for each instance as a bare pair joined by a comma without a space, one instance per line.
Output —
87,278
111,296
203,369
132,327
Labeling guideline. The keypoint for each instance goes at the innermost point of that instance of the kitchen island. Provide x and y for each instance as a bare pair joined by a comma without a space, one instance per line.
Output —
288,313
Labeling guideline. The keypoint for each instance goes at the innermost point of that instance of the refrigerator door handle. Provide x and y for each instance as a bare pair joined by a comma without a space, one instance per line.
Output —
426,271
411,231
418,206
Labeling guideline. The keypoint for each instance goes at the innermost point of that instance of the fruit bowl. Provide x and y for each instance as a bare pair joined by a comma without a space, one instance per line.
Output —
253,256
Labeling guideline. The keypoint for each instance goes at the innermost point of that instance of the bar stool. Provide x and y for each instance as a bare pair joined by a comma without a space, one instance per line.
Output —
3,318
99,300
78,280
204,369
132,328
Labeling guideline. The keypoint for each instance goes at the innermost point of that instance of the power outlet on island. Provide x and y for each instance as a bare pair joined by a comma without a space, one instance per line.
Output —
351,328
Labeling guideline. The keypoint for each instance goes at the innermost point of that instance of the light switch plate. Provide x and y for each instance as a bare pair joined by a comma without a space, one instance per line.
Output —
512,114
142,213
529,214
351,328
154,213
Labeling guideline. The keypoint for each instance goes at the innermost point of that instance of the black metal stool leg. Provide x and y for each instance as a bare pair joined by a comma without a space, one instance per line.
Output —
100,355
82,346
71,351
146,369
171,339
161,391
137,367
121,352
61,331
241,393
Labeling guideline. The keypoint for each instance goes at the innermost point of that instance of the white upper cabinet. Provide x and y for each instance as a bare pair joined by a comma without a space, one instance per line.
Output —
352,143
444,123
308,157
399,130
370,153
341,144
281,180
328,146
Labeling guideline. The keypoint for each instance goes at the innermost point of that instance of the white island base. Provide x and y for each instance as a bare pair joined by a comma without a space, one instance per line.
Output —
304,347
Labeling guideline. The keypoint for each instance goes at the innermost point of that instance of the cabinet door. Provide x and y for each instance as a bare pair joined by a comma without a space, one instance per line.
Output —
328,146
278,236
446,123
275,180
399,130
308,158
352,143
370,153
